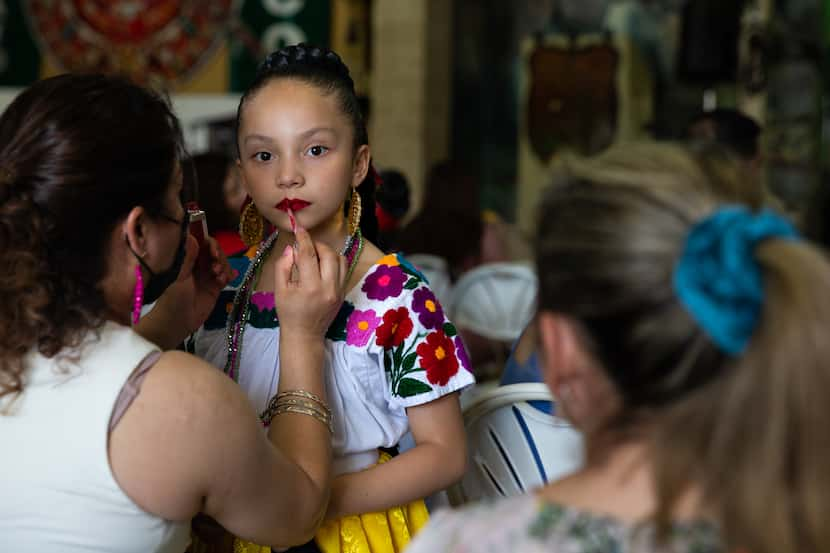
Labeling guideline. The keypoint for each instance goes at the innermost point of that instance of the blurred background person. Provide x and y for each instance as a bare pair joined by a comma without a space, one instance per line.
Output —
391,206
733,130
212,179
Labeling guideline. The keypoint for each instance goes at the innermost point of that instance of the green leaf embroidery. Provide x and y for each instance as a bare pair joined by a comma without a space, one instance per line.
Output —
400,362
409,362
449,329
412,283
411,387
266,318
397,355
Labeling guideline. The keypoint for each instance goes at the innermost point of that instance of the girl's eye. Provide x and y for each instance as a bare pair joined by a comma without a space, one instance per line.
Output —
317,151
262,156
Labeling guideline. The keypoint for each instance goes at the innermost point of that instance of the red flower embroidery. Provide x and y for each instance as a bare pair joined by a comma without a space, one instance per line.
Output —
396,327
438,358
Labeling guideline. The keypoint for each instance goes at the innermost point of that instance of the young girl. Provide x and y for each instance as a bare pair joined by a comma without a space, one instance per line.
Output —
394,360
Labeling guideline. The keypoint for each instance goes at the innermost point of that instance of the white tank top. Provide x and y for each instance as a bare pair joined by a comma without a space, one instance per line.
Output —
57,491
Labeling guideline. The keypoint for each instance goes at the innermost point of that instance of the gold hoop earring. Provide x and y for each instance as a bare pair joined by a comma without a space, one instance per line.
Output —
355,211
251,225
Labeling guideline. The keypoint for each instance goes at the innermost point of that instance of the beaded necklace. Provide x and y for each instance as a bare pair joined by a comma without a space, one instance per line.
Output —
241,308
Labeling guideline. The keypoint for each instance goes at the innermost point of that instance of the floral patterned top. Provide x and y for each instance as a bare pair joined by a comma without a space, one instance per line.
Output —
531,525
390,347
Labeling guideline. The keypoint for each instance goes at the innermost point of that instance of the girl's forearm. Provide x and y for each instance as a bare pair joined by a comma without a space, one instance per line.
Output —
415,474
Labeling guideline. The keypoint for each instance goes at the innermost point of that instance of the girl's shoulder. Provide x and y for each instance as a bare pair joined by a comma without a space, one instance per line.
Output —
395,316
393,296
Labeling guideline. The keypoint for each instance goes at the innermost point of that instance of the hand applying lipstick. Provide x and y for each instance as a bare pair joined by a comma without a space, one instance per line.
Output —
290,205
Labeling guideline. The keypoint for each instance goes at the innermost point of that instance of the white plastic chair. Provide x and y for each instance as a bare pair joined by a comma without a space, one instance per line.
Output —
512,446
495,300
437,271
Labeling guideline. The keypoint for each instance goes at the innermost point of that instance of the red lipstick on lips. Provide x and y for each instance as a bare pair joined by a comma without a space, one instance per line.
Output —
292,204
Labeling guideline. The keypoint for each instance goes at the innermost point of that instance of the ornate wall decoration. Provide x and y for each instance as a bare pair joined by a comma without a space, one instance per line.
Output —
159,42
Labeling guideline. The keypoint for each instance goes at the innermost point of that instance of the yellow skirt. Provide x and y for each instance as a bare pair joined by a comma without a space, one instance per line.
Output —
383,532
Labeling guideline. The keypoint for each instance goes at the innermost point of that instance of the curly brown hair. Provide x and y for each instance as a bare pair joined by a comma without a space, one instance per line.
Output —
77,153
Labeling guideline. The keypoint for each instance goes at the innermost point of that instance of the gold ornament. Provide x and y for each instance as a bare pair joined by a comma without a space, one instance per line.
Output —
251,225
355,211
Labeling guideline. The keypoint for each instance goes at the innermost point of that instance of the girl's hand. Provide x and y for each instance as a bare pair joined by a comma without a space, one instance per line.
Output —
308,300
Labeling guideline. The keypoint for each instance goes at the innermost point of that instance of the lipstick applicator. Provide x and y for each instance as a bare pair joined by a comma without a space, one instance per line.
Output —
292,219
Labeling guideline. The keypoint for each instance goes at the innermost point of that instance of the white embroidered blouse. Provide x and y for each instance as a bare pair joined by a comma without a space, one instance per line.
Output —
390,347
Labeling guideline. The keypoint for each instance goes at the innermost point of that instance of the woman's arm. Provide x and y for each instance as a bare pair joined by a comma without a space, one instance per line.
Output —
438,459
191,441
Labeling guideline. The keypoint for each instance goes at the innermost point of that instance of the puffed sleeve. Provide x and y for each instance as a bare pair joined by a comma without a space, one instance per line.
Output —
423,355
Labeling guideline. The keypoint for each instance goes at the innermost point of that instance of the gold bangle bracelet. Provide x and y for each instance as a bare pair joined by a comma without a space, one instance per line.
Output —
303,394
304,403
303,411
289,398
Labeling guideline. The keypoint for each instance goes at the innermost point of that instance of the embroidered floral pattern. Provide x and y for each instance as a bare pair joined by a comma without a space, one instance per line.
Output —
430,313
437,356
361,327
263,301
399,363
263,311
389,260
391,310
385,282
396,327
463,356
239,265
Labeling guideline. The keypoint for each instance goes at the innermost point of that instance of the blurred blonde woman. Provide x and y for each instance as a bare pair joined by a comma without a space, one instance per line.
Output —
686,339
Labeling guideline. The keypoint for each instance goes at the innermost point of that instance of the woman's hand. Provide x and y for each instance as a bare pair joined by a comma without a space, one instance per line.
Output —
309,297
195,292
185,306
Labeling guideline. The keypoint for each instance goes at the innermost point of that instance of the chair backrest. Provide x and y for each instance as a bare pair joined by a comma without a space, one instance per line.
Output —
437,271
513,447
495,300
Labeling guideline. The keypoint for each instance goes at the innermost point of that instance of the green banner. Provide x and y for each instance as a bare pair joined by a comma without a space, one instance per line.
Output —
19,55
268,25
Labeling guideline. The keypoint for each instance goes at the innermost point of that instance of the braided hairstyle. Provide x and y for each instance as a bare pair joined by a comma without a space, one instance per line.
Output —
322,68
77,153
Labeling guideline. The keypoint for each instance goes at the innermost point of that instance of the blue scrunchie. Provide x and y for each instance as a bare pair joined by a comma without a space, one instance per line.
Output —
718,279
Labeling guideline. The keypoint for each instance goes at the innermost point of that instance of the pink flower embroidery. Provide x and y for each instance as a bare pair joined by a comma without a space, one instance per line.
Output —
361,326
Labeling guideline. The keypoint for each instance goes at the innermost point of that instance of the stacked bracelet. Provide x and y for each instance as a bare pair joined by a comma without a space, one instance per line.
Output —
301,402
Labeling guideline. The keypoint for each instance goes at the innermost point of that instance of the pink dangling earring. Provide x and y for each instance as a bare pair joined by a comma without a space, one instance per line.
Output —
139,295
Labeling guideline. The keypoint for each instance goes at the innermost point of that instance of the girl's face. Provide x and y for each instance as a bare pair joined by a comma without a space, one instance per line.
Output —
297,148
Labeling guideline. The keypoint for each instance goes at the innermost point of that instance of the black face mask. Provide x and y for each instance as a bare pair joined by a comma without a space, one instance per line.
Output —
159,282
